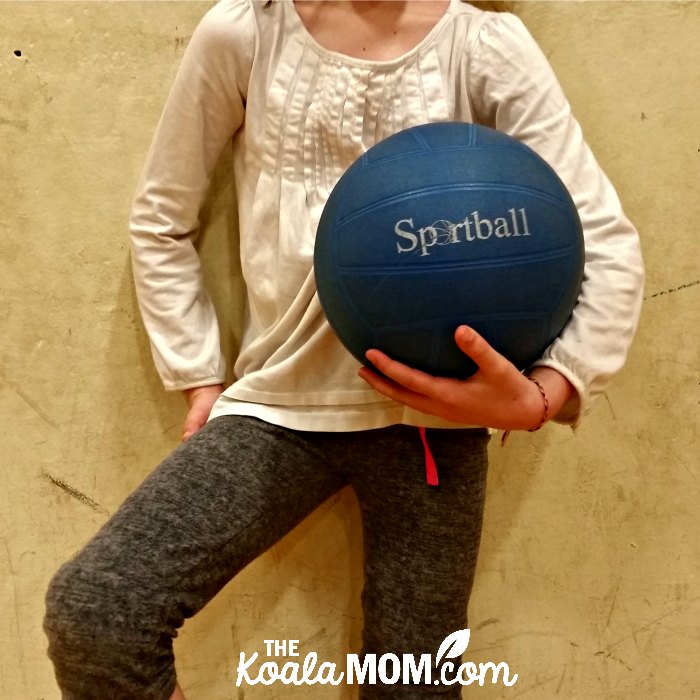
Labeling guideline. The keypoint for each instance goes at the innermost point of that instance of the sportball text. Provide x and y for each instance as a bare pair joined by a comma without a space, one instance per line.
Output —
473,228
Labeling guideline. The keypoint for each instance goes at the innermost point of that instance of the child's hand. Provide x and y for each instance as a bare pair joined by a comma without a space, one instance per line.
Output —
497,396
200,400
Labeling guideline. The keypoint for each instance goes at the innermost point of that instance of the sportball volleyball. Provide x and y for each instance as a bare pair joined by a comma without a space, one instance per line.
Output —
447,224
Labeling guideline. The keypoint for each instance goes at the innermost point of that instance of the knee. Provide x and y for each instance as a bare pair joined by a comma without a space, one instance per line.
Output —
88,607
96,644
74,609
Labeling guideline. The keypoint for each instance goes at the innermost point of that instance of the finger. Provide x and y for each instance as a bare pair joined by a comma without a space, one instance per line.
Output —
412,379
188,431
396,392
194,421
478,349
191,428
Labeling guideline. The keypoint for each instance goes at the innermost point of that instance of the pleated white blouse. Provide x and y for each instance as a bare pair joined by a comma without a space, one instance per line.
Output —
299,115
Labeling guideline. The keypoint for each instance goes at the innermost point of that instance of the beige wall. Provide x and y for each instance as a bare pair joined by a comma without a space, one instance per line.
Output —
588,574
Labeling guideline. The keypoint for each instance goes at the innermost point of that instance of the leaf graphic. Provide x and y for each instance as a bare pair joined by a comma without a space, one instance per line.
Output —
453,645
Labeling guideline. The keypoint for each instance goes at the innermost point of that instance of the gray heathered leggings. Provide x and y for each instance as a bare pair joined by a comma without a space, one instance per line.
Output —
228,494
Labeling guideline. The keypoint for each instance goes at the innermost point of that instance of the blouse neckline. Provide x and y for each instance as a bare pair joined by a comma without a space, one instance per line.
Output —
338,57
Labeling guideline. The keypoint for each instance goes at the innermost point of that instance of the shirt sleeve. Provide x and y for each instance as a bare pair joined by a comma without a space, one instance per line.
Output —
204,109
514,89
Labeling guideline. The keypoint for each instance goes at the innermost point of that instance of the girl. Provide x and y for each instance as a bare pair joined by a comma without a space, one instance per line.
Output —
303,89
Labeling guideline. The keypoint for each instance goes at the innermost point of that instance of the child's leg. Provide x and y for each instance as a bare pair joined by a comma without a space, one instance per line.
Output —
215,504
420,544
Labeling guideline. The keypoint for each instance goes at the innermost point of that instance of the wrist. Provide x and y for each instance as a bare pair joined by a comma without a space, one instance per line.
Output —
550,391
542,404
556,388
192,393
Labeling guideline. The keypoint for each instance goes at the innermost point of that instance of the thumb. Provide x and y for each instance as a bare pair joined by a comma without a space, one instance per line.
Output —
477,348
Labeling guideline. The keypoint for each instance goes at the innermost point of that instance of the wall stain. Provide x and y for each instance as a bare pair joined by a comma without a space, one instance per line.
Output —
485,623
71,491
607,400
656,621
20,124
28,400
674,289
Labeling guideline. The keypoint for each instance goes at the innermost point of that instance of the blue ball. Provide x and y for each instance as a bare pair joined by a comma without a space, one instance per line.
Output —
447,224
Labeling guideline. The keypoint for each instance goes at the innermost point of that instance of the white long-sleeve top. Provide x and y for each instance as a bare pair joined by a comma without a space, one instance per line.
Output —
299,115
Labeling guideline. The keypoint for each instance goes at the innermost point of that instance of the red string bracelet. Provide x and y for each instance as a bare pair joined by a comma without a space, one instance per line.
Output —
545,414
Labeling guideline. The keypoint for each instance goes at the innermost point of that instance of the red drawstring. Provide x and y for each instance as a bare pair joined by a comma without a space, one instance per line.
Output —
431,475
